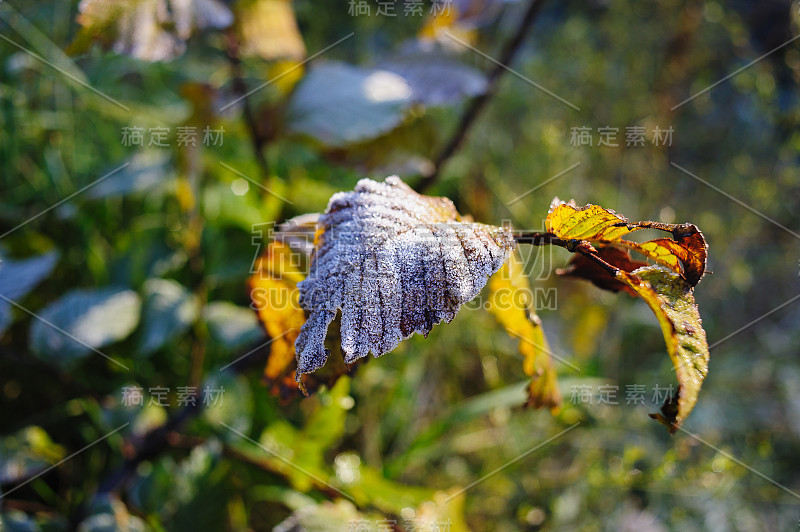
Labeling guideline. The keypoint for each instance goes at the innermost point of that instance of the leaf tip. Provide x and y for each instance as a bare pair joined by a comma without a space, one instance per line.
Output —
669,415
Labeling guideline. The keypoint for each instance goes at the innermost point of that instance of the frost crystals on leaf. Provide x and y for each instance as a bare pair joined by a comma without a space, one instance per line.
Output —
395,263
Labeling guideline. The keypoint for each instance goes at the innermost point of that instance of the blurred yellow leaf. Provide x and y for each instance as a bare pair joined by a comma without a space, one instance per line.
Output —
510,303
273,290
444,512
268,29
285,74
184,194
446,22
590,323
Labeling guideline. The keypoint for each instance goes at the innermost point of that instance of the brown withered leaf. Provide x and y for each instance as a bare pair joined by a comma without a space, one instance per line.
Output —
584,268
510,303
685,254
394,263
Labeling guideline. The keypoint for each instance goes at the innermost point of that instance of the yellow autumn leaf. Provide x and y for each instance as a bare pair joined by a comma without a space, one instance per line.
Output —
445,25
284,75
274,293
670,298
591,222
685,254
667,291
434,25
510,303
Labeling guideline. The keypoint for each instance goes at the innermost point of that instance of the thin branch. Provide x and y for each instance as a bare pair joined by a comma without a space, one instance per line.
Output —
572,245
240,88
543,239
478,103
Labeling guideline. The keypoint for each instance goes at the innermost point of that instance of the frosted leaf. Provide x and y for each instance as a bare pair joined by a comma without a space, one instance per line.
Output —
395,263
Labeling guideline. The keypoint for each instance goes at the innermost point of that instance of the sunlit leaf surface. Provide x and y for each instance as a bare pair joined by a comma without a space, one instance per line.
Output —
18,277
668,292
671,299
686,254
168,310
437,78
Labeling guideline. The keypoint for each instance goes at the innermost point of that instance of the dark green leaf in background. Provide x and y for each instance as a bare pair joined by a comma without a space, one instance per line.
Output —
339,104
18,277
232,325
95,317
169,309
146,170
25,453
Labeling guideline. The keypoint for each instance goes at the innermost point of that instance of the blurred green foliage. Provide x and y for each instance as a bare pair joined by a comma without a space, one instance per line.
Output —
148,267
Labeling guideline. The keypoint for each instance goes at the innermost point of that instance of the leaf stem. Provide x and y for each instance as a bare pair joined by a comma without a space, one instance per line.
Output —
572,245
535,238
